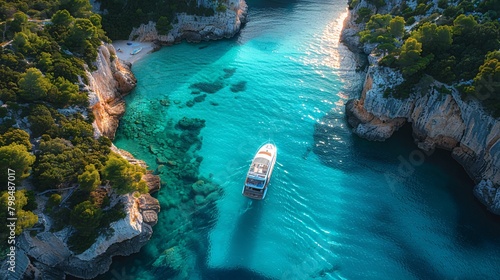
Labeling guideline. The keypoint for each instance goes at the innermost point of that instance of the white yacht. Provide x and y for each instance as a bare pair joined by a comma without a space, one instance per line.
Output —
259,175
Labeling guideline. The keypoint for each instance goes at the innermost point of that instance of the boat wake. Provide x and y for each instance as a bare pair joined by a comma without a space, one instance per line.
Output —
247,206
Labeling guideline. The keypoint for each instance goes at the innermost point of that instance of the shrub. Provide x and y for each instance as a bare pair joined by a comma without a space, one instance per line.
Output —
17,158
125,177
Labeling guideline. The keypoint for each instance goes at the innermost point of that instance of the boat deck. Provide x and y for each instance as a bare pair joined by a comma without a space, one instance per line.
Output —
259,167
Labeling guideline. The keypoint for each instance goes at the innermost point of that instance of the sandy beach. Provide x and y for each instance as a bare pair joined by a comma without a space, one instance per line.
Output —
123,50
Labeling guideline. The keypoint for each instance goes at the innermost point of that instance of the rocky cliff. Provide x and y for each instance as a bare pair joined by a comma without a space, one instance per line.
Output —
46,255
107,85
194,28
439,120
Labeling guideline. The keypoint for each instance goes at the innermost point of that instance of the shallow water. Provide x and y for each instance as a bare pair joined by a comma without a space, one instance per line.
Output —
338,207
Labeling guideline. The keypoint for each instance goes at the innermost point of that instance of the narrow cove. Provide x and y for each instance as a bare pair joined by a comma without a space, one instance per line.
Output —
330,212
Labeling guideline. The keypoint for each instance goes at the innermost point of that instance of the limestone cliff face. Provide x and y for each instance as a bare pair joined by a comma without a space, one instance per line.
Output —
107,85
51,255
438,120
46,255
197,28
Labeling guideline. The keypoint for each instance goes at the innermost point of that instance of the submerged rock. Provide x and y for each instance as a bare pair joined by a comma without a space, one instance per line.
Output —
229,72
190,123
172,258
239,86
208,87
200,98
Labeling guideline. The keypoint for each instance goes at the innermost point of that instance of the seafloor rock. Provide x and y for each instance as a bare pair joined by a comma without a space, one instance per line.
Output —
191,123
107,86
194,28
172,258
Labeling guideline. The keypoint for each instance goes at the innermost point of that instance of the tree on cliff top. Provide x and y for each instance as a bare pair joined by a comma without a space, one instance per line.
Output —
90,179
124,177
17,158
487,83
25,218
434,38
33,85
163,26
410,59
85,218
16,136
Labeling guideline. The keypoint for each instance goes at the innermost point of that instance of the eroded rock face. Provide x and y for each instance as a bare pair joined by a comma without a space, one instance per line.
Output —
488,195
46,255
197,28
52,259
107,86
438,120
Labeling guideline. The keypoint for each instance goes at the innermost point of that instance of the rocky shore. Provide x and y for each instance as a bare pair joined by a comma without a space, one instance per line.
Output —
194,28
439,120
112,80
46,255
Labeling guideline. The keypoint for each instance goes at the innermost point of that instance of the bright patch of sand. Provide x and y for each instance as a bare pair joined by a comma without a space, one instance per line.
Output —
123,50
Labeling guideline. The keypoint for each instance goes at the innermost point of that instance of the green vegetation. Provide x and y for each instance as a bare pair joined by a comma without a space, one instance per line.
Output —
25,218
52,42
122,16
126,177
163,25
15,157
459,48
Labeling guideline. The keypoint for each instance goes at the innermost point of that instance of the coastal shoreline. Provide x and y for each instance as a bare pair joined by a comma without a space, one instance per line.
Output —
123,50
449,123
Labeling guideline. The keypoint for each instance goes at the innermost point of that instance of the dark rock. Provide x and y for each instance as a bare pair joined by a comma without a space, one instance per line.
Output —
161,160
190,123
213,103
190,103
147,202
229,72
191,37
161,169
152,181
150,217
195,92
165,102
153,149
239,86
208,87
189,136
200,98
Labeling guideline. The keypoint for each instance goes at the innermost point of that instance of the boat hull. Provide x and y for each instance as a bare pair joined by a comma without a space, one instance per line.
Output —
259,174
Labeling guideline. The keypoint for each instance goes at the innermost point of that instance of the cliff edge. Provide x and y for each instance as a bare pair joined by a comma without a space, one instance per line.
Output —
194,28
439,120
107,86
46,254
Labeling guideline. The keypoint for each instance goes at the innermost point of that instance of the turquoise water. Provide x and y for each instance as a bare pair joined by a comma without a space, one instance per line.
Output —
338,207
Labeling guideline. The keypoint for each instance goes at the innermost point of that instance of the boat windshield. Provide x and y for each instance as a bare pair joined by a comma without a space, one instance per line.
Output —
255,183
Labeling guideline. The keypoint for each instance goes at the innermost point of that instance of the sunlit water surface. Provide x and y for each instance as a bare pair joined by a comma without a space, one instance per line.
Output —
338,207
